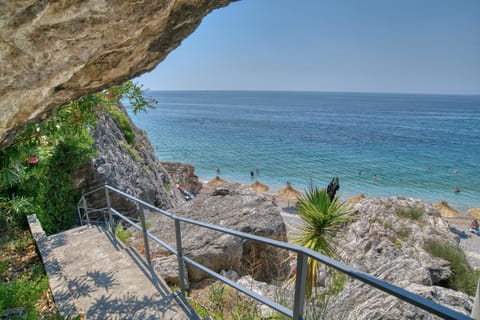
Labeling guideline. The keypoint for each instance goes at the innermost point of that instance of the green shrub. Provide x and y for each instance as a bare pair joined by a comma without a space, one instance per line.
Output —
52,183
412,213
464,278
22,276
122,233
124,123
23,292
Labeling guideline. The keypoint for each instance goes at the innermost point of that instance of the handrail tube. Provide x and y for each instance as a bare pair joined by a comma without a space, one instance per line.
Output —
407,296
146,204
136,226
94,191
214,274
162,243
240,288
394,290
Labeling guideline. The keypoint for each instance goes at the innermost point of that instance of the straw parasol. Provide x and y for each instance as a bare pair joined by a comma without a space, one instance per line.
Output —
216,182
474,212
445,210
289,193
356,199
259,187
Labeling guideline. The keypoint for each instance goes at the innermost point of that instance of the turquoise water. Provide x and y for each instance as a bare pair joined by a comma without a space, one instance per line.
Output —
420,146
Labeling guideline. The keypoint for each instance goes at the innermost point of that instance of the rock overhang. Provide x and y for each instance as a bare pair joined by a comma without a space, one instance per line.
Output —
55,52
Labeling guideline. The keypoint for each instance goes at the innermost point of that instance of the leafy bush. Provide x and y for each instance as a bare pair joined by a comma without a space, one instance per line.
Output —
23,292
465,278
22,277
50,183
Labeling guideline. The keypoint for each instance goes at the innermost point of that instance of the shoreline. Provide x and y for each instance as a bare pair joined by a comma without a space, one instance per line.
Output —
462,209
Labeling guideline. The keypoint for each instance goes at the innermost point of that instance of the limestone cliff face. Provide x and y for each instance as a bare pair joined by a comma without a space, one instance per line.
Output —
390,247
132,168
52,52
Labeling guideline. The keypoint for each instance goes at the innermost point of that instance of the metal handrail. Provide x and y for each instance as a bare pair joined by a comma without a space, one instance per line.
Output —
302,255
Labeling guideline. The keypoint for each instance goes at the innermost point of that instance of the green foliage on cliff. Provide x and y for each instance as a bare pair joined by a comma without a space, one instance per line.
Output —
36,171
36,176
464,277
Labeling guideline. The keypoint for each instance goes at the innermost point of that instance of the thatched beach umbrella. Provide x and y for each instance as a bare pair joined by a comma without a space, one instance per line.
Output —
216,182
356,199
259,187
445,210
289,193
474,212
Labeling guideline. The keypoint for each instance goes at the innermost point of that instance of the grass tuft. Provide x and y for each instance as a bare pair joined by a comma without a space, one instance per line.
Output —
122,233
465,278
412,213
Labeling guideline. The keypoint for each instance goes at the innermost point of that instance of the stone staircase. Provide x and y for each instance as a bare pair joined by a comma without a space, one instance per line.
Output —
94,276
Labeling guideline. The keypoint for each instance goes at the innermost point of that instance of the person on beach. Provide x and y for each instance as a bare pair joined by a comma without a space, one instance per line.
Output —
474,228
274,201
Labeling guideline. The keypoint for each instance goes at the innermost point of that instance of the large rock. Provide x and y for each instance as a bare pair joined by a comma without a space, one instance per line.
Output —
131,168
52,52
390,247
183,173
241,209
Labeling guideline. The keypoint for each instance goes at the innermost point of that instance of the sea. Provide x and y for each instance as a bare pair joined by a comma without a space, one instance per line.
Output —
412,145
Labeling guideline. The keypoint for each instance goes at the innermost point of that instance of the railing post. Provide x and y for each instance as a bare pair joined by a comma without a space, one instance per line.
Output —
300,284
86,209
181,264
145,236
110,217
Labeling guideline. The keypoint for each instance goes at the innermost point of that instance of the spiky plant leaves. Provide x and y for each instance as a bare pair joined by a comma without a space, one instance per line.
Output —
323,220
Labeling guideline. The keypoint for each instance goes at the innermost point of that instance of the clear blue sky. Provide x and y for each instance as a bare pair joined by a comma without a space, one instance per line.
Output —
419,46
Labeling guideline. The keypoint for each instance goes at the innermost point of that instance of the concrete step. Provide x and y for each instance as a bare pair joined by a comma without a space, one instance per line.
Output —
93,275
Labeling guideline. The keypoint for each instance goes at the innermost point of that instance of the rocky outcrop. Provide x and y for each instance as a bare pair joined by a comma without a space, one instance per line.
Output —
241,209
131,168
53,52
385,242
184,174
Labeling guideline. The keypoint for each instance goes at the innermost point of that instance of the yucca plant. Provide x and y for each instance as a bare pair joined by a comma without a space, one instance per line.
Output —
323,218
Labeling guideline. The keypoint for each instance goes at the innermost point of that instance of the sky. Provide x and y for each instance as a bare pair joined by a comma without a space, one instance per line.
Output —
412,46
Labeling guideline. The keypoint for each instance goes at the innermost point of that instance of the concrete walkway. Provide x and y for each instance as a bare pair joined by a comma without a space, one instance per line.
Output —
95,276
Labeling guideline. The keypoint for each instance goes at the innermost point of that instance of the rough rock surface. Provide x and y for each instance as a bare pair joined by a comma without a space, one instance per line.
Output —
183,172
53,52
390,247
133,169
243,210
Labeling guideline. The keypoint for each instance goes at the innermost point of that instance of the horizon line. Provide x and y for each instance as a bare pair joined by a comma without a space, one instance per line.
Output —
314,91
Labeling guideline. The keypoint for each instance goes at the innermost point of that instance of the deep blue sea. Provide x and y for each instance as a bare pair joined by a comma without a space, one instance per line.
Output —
420,146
